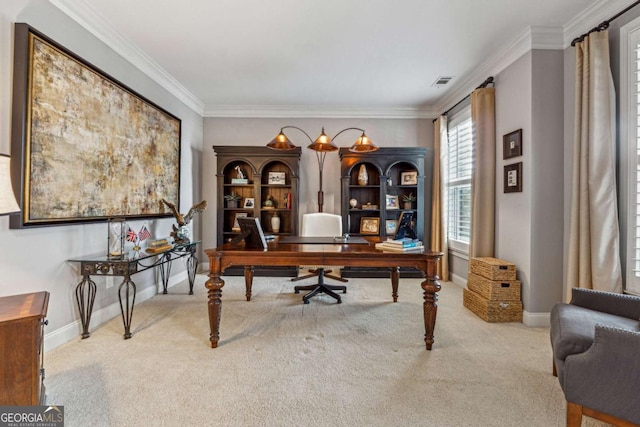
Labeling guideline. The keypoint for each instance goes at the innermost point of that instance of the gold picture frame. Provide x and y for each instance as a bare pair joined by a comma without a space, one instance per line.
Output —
409,178
369,225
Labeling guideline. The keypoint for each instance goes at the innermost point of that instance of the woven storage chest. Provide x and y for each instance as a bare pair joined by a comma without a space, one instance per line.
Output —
502,290
492,311
493,268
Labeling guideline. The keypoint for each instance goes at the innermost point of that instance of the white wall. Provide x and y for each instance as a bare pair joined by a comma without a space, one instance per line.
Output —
259,132
36,259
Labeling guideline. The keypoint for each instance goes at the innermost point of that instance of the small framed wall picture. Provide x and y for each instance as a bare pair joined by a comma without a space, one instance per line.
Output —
512,144
409,178
277,178
369,225
390,226
248,202
513,178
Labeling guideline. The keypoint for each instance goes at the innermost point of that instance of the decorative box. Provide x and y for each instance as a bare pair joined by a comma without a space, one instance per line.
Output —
493,268
503,290
492,311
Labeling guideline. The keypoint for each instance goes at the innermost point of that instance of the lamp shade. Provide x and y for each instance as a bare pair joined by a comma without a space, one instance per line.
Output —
8,203
323,143
281,142
363,144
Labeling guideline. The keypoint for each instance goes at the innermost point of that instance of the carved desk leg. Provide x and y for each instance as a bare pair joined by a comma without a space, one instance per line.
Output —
395,279
85,296
430,306
248,280
214,285
127,310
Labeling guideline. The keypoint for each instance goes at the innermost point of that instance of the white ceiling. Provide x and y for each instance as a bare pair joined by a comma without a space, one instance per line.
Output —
339,55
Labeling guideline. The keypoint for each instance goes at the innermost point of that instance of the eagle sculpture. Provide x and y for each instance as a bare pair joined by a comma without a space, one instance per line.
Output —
183,220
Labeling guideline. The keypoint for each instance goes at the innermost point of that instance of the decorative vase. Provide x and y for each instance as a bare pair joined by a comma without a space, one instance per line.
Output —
407,205
275,223
363,176
353,203
232,204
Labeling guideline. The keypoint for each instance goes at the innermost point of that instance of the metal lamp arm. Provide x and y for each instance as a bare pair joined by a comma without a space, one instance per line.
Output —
343,130
296,127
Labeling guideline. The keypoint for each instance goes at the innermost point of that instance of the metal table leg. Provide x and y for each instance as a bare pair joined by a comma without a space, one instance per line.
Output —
85,297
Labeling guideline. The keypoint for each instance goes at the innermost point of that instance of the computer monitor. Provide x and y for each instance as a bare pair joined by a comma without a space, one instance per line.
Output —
404,228
251,232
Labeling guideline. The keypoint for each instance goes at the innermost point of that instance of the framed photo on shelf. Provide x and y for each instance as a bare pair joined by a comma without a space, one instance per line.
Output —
409,178
249,203
390,226
236,224
391,202
512,144
369,225
513,178
277,178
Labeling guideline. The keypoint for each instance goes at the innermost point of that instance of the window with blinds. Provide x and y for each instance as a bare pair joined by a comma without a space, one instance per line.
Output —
631,111
459,164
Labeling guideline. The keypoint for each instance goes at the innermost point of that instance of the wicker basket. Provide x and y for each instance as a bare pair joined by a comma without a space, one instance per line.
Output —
502,290
492,311
493,268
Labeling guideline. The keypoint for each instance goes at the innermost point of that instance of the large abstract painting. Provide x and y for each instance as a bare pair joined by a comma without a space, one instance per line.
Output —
90,147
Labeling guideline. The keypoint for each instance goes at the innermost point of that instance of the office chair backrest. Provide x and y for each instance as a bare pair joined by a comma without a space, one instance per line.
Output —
321,224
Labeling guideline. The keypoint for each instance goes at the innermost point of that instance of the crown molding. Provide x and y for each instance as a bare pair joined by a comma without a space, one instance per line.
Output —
591,17
82,13
294,111
532,38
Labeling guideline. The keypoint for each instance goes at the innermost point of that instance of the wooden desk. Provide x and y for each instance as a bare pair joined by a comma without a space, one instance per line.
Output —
288,254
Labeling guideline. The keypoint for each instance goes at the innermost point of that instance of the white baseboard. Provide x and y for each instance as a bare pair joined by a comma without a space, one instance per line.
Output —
73,330
536,320
458,280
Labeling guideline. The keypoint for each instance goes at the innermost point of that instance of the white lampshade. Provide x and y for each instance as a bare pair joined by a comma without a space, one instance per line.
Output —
8,203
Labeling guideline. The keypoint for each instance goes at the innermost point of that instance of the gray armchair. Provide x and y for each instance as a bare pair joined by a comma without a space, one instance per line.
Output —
596,356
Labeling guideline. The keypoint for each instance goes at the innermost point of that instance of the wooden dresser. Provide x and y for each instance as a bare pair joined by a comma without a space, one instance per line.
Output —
22,349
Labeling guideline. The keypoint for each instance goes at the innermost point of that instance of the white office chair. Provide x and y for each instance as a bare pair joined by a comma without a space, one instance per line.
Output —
321,224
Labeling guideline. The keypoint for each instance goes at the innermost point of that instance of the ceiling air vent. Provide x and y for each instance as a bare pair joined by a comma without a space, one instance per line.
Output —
441,81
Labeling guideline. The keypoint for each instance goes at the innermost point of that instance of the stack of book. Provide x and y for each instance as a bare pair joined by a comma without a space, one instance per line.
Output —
401,245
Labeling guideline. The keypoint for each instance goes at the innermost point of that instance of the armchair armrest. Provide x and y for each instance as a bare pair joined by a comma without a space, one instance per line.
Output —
607,302
607,376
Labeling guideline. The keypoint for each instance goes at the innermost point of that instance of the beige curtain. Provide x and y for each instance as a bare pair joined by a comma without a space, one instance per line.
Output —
594,257
439,242
483,180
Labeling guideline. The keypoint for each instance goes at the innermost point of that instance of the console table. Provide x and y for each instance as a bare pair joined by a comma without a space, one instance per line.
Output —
130,264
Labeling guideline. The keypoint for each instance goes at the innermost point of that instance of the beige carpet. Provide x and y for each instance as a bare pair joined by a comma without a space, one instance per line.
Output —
283,363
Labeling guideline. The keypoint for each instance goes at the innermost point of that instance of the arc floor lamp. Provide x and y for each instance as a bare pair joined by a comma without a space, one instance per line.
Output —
322,145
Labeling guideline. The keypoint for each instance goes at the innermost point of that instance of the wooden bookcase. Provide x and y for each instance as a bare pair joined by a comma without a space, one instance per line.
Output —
269,174
385,169
22,320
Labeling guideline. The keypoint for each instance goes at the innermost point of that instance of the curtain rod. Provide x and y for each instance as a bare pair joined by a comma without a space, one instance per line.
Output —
482,85
604,24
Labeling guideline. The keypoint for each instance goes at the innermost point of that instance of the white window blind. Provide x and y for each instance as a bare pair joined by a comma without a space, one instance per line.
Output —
631,110
459,164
